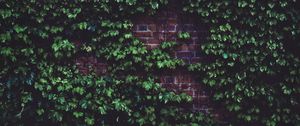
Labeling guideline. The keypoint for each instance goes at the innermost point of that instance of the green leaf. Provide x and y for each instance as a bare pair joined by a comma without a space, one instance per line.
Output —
225,55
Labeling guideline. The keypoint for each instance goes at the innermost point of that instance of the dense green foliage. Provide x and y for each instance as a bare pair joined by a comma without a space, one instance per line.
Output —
254,66
40,83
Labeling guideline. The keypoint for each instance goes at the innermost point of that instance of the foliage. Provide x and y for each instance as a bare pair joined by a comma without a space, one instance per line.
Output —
253,65
184,35
40,83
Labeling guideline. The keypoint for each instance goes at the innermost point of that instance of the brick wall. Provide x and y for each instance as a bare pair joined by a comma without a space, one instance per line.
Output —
165,26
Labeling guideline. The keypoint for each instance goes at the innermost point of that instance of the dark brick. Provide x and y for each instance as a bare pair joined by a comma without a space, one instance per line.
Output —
169,79
168,86
171,28
151,46
188,54
172,21
183,79
183,47
202,36
190,92
167,28
153,41
143,34
196,86
184,86
195,60
199,54
152,27
186,41
164,27
143,39
202,100
188,27
162,37
142,27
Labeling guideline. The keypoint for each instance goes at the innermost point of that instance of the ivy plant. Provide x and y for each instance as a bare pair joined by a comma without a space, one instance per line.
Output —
254,68
41,84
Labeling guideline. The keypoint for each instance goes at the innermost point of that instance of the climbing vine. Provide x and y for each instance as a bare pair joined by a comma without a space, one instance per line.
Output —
40,83
253,65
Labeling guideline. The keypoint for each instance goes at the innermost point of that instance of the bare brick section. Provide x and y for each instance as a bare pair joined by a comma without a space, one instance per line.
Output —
91,64
164,26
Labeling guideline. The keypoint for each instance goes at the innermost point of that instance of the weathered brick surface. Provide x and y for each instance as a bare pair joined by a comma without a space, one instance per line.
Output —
164,27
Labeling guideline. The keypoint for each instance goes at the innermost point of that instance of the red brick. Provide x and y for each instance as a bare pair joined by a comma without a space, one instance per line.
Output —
183,47
143,34
171,28
92,60
188,27
162,37
202,36
143,39
167,86
186,41
171,14
161,28
143,20
162,79
188,47
196,41
152,27
172,21
202,100
190,92
183,79
153,41
196,86
171,36
169,79
142,28
167,28
187,54
184,86
195,60
164,27
151,46
194,34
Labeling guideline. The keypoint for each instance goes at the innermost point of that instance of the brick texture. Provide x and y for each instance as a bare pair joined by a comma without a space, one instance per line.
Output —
90,64
164,26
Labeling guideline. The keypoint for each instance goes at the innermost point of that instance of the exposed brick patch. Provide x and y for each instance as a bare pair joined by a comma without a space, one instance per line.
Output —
142,28
185,54
143,34
153,41
152,46
165,27
152,30
91,64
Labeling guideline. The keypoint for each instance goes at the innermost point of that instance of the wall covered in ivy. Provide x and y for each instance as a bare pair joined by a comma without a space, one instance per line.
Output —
252,63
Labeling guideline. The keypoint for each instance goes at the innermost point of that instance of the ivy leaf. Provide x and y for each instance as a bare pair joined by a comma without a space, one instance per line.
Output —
225,55
19,28
154,5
